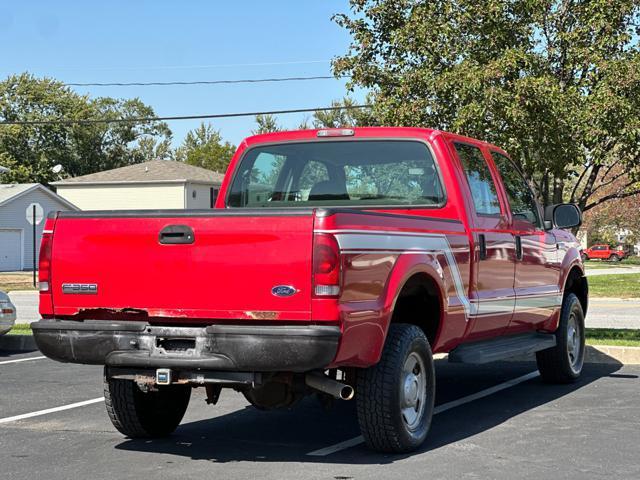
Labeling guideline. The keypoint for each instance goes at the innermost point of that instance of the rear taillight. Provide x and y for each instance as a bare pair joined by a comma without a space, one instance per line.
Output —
326,266
44,265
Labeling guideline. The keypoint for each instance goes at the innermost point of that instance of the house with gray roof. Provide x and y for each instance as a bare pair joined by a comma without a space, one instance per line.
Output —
16,232
158,184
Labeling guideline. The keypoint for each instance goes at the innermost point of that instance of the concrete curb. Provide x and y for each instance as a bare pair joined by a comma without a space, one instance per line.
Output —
18,343
612,354
604,354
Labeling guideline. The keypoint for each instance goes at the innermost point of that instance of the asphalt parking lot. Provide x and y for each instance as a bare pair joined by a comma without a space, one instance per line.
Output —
496,421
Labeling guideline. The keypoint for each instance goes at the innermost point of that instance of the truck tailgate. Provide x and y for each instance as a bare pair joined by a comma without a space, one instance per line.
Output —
227,272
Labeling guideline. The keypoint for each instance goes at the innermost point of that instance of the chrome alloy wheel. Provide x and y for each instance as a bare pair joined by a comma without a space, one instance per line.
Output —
574,344
413,391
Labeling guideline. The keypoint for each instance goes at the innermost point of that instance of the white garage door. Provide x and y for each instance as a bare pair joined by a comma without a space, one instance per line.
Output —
10,250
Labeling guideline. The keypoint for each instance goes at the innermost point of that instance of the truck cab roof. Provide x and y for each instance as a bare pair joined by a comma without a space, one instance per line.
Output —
361,132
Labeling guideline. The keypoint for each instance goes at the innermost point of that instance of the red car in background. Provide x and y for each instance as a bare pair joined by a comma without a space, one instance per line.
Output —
603,252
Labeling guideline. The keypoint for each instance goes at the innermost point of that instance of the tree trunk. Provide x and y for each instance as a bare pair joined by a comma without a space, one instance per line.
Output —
558,189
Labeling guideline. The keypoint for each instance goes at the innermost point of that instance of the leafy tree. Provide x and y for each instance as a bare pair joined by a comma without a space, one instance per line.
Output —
605,221
204,148
347,117
31,151
322,118
554,82
266,124
151,148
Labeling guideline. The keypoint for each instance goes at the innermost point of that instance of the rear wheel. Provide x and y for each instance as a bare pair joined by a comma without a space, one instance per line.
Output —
395,397
139,414
563,363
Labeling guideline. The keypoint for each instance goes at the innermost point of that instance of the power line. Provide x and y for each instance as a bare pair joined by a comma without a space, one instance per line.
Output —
91,121
203,82
188,67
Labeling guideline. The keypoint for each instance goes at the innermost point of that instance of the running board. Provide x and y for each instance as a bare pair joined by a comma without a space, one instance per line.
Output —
499,348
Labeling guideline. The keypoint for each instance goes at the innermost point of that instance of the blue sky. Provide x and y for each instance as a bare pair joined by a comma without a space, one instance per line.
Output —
126,41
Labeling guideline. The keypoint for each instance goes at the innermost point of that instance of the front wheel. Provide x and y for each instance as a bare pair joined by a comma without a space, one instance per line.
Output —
139,414
563,363
395,397
614,258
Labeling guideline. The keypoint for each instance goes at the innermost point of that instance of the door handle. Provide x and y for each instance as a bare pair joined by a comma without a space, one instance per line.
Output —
483,246
518,248
176,235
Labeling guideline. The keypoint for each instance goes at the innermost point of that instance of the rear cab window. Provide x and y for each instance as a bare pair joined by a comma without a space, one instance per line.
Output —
337,173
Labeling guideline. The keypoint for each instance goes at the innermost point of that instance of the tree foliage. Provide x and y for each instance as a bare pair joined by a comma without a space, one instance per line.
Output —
31,151
605,221
205,148
266,124
346,117
554,82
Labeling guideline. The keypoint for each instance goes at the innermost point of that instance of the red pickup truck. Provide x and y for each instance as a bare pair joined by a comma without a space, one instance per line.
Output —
603,252
336,262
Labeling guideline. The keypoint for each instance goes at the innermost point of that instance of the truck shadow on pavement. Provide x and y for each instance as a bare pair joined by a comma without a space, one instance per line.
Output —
248,434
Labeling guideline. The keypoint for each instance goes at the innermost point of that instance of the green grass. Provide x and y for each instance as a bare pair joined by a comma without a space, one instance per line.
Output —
613,336
618,286
600,264
21,329
625,263
590,265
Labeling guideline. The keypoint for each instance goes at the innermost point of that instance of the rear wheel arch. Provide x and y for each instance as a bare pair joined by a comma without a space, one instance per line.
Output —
576,283
420,302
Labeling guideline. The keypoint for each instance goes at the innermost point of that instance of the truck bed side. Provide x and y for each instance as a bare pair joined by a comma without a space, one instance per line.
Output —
384,257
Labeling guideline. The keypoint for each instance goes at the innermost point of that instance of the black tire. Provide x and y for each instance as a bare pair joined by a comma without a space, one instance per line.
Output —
614,258
379,392
563,363
585,257
139,414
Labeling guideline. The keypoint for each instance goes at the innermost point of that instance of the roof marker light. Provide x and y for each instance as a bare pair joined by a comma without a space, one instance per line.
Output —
336,132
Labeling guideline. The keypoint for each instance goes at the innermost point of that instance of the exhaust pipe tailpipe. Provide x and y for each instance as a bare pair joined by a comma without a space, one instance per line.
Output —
329,386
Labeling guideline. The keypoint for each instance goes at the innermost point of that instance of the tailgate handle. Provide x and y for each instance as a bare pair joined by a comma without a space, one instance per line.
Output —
176,234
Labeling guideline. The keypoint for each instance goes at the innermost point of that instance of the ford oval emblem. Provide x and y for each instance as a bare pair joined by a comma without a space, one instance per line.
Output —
283,291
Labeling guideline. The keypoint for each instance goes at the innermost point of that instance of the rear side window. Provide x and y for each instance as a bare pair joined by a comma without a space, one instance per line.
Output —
521,200
483,190
337,173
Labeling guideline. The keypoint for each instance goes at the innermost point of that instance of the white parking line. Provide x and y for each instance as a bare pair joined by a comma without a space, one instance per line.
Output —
323,452
50,410
485,393
22,360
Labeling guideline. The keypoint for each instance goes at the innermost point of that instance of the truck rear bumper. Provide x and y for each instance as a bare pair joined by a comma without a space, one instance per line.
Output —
216,347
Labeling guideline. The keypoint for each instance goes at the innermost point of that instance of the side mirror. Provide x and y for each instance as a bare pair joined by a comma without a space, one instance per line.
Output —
562,215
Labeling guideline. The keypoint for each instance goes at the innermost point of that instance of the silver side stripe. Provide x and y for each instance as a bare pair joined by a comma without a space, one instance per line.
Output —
532,302
499,306
504,306
379,241
366,241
